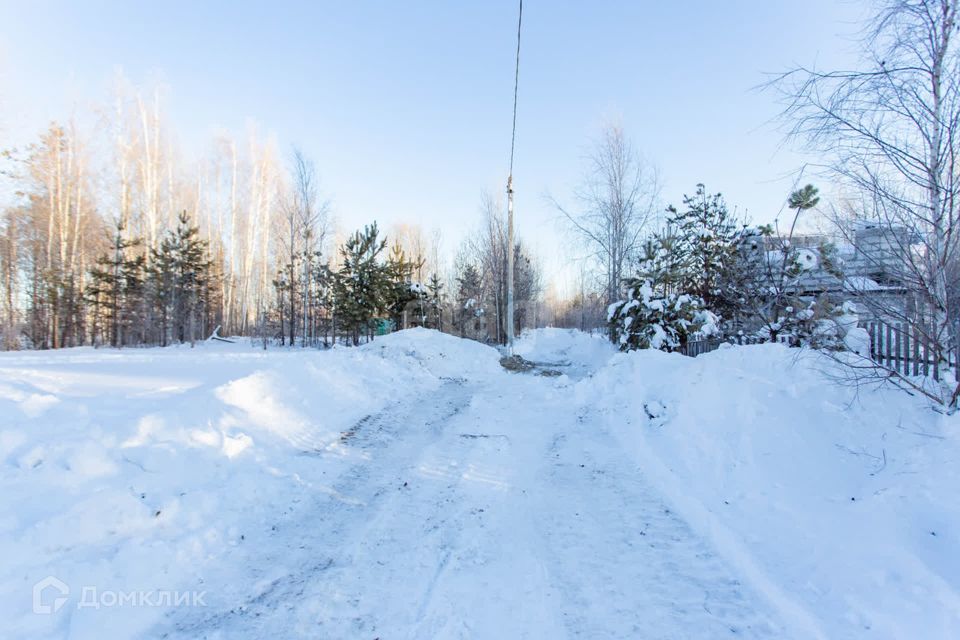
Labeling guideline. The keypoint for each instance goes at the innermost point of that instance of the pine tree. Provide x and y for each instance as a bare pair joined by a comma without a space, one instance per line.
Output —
180,279
435,299
469,288
648,320
706,236
273,320
362,284
210,301
402,291
282,293
116,288
661,263
323,297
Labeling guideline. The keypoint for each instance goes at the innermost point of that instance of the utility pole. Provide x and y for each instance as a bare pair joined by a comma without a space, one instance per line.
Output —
513,140
510,264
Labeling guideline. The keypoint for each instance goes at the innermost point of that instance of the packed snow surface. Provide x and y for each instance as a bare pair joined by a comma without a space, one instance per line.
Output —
413,488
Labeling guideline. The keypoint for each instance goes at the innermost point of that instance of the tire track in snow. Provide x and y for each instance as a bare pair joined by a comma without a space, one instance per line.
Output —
605,527
485,509
315,539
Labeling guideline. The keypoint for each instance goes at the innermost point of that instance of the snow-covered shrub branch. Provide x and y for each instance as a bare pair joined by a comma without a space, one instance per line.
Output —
648,320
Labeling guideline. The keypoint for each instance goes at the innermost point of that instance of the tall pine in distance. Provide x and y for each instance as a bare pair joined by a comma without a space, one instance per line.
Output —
323,299
116,291
435,299
402,291
180,275
362,282
469,293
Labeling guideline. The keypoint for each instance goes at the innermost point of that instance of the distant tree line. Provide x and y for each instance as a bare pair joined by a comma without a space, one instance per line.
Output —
480,281
370,290
109,237
164,295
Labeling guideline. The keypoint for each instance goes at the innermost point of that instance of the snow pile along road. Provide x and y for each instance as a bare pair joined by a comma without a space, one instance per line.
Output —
413,488
136,471
838,505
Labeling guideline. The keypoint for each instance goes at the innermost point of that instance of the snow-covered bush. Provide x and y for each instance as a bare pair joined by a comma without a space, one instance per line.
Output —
647,320
837,328
820,323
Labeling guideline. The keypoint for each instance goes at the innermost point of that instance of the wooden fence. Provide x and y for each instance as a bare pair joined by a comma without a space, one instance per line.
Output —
892,345
907,352
694,348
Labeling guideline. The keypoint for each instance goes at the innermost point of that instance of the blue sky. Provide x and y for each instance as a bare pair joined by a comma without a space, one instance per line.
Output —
406,106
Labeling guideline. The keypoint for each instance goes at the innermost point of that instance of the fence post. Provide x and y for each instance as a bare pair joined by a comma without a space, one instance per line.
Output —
886,346
935,347
905,363
905,354
916,351
897,364
878,353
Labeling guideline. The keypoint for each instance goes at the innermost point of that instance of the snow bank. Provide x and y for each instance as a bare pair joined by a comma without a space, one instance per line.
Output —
146,470
839,506
132,471
439,354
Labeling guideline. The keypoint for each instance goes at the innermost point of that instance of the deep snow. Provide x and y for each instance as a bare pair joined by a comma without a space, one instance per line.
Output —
413,488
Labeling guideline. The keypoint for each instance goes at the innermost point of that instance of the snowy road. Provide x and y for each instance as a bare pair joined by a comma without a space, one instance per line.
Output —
490,509
413,488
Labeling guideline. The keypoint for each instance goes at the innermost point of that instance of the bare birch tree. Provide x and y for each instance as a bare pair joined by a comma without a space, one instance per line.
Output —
305,221
9,282
888,133
616,202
